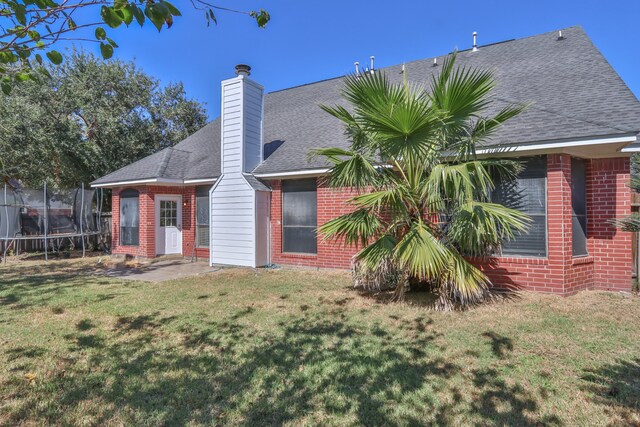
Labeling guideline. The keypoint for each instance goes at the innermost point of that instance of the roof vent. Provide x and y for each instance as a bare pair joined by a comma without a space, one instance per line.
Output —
560,36
435,62
475,42
371,61
243,70
357,65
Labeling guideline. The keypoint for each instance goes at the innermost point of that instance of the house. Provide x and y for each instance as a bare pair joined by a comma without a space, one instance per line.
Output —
243,190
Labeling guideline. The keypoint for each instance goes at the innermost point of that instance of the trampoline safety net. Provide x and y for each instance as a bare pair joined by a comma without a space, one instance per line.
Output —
44,212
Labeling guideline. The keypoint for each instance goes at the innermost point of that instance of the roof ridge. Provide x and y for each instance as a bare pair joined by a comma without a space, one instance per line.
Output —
432,57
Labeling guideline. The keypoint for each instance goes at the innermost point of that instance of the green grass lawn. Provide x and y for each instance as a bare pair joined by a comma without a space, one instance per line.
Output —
295,347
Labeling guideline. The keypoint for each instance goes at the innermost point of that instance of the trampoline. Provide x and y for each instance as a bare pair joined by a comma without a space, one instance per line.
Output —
48,215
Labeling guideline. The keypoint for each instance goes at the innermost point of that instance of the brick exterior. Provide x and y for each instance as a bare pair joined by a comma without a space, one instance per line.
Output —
147,246
331,203
608,265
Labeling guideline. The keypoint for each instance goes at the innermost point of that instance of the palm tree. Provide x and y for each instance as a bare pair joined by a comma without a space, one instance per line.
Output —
423,205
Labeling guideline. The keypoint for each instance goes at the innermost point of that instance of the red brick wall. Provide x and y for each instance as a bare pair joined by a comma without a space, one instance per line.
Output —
331,203
608,265
611,248
147,248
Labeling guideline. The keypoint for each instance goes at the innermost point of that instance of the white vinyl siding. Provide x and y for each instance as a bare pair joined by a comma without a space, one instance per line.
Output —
232,222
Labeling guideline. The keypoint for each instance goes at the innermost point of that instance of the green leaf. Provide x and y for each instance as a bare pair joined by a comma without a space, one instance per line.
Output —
35,36
106,50
6,88
22,76
172,9
71,23
101,34
110,17
111,42
211,17
55,57
157,14
39,58
262,17
127,14
138,14
20,12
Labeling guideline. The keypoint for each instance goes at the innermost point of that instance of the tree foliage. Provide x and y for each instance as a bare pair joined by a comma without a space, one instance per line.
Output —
30,29
90,118
424,202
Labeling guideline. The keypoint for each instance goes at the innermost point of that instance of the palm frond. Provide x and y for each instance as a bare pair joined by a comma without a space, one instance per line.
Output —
377,252
421,253
478,228
355,228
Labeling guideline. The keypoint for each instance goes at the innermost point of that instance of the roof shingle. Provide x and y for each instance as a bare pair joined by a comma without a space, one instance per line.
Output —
572,90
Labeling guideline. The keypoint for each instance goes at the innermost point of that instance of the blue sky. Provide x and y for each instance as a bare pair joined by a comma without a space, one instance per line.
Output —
308,41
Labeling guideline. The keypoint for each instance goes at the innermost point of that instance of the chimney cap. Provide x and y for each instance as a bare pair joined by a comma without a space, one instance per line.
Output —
243,70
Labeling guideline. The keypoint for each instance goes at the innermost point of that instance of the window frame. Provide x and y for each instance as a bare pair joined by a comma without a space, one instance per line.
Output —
285,227
129,193
508,252
574,215
199,227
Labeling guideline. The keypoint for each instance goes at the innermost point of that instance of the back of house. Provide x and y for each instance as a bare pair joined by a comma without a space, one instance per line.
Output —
244,191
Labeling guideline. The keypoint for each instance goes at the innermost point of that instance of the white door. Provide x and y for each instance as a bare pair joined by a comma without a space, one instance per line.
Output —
168,225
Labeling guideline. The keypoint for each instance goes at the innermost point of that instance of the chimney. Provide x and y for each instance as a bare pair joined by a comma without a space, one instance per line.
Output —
475,42
241,122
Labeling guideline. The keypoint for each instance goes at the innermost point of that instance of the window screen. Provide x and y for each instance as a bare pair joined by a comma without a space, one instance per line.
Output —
299,216
579,206
528,194
129,218
202,216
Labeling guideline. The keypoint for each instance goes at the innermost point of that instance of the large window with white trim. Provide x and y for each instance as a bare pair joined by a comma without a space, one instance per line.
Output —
528,194
299,216
129,217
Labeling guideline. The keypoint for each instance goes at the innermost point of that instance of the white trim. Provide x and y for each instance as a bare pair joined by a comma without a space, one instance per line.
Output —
631,148
157,199
140,181
308,172
562,144
165,181
200,181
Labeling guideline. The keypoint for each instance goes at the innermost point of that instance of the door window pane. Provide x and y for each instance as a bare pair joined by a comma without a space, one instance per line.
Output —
299,216
168,213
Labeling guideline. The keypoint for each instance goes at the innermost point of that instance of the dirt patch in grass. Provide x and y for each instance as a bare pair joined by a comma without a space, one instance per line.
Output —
247,347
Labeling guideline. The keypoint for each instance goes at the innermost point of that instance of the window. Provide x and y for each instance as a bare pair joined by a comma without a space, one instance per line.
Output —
168,213
528,194
129,217
579,207
202,216
299,216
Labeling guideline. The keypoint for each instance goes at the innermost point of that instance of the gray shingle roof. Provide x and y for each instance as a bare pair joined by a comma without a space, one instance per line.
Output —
573,92
255,183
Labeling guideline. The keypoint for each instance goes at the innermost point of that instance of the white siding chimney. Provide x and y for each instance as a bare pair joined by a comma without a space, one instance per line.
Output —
240,209
242,111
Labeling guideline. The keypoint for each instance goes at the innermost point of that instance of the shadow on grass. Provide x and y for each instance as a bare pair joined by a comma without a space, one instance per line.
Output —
227,372
617,385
